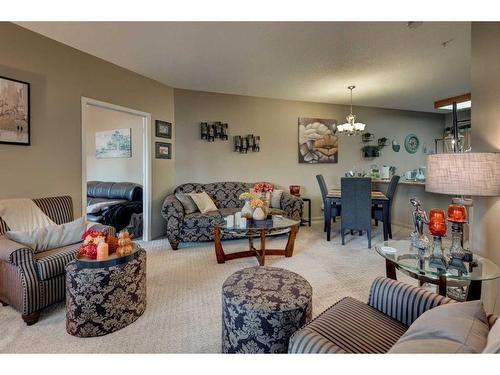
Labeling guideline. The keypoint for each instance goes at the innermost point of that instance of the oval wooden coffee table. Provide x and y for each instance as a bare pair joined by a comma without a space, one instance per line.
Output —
105,296
260,229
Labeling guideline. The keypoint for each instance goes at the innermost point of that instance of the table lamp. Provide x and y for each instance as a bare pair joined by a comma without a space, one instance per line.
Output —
468,174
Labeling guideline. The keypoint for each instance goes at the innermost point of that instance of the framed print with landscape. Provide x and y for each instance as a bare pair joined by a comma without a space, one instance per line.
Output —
163,150
116,143
14,112
163,129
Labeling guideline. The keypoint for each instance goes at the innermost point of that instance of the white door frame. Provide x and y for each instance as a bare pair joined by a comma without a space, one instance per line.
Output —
146,158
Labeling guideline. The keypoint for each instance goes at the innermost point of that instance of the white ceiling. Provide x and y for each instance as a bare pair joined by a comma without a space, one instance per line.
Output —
391,65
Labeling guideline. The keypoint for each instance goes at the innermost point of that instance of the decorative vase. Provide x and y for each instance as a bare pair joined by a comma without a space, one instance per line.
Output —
259,214
247,211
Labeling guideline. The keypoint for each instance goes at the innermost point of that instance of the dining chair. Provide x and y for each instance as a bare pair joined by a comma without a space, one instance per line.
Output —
336,208
377,211
356,206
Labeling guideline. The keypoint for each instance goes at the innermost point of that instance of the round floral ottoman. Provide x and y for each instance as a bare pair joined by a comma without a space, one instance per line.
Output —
103,297
261,308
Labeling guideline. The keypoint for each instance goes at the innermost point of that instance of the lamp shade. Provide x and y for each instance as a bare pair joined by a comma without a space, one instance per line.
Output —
468,173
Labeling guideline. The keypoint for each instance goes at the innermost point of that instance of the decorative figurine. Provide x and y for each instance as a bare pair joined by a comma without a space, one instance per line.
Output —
418,238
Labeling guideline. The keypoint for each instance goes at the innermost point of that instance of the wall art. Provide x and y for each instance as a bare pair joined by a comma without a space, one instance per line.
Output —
163,150
14,112
212,131
318,142
115,143
163,129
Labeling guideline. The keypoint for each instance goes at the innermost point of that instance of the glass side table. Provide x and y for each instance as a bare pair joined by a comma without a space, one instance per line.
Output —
401,255
261,229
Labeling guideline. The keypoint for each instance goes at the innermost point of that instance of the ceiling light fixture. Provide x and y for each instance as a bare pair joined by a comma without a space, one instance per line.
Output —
351,127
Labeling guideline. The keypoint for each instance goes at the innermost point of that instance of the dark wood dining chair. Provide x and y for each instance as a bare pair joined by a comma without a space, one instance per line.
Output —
377,211
356,206
336,208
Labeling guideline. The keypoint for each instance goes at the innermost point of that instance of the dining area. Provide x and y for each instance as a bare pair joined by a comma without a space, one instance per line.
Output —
359,204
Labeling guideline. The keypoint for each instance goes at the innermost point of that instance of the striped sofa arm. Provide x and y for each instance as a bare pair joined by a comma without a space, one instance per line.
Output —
401,301
308,341
23,259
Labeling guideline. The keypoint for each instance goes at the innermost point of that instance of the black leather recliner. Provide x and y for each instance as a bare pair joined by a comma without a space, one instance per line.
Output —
114,203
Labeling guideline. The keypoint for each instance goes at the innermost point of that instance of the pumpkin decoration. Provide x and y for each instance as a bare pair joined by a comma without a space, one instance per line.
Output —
125,246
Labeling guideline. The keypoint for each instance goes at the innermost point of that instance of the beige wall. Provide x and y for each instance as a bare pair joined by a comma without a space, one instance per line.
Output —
276,122
485,79
59,77
128,169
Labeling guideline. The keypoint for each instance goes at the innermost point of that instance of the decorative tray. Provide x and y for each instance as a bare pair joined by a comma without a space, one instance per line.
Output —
111,260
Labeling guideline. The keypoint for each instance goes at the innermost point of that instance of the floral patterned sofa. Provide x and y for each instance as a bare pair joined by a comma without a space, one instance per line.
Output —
199,227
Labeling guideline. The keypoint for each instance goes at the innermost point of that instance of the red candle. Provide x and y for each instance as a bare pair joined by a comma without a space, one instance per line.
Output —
437,222
457,213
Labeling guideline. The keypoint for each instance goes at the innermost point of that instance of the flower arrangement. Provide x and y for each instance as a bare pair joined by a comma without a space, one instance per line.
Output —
246,196
263,187
92,238
256,203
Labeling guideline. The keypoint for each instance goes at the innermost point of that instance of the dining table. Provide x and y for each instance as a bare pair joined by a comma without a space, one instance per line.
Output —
335,196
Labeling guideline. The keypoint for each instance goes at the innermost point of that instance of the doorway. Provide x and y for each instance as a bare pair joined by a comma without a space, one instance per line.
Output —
116,148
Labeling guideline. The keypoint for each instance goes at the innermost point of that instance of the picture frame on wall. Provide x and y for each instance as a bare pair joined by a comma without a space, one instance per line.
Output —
163,129
111,144
163,150
14,112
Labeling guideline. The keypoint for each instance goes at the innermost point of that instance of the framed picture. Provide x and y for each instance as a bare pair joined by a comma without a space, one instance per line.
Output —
14,112
318,142
163,150
115,143
163,129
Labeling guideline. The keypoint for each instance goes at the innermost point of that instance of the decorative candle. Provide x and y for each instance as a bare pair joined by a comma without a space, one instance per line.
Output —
437,222
457,214
243,222
237,218
230,221
102,251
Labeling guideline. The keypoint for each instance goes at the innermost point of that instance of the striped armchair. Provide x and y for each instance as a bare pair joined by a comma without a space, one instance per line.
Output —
30,281
351,326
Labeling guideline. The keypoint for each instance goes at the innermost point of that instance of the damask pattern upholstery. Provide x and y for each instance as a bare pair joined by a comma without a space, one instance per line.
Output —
28,281
261,308
199,227
103,300
351,326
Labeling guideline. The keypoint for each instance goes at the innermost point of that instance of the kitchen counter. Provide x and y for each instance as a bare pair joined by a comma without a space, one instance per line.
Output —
401,182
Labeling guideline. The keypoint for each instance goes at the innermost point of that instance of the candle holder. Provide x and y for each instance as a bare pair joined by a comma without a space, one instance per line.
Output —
437,258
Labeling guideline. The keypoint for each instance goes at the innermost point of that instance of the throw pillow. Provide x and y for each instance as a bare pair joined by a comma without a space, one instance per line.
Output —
276,198
187,202
450,328
203,202
51,236
493,343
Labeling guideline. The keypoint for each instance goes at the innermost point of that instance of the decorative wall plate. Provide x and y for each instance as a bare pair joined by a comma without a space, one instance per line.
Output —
411,143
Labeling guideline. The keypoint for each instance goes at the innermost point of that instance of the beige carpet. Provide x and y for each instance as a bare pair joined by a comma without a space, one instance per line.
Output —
184,295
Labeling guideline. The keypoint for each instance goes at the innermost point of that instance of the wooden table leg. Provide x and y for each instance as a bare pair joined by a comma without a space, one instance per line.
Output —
219,251
291,241
442,285
474,290
390,269
262,257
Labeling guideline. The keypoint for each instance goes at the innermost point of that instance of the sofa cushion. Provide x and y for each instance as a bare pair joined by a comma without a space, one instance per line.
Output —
51,263
50,237
493,342
224,194
187,202
199,220
203,202
349,326
450,328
